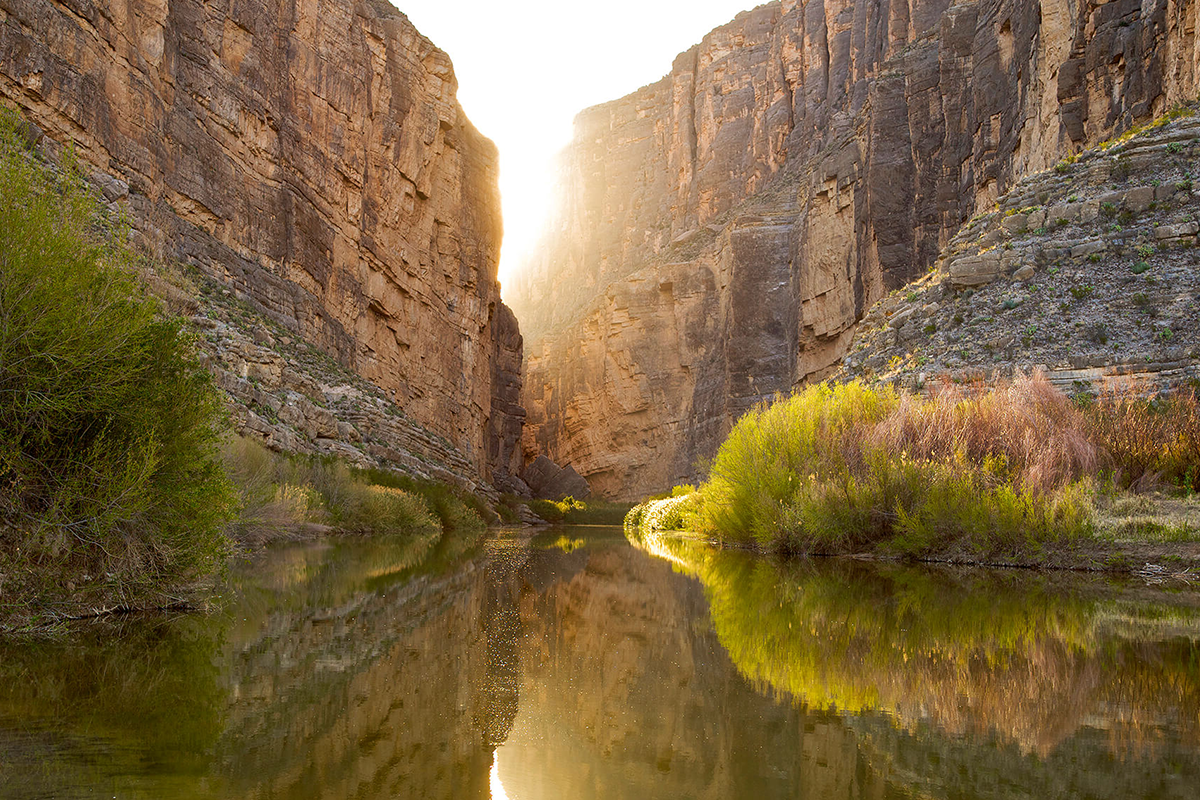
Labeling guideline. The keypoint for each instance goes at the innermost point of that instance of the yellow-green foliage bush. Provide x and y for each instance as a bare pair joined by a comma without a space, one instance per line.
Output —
109,424
674,513
570,511
838,468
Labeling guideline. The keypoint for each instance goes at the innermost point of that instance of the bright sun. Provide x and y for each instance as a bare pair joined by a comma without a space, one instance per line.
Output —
525,69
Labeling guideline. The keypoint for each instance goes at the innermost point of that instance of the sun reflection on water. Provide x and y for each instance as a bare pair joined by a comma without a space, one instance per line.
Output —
498,792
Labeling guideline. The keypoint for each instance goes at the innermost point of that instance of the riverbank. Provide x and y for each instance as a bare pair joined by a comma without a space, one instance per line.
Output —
280,499
130,476
1016,475
1160,562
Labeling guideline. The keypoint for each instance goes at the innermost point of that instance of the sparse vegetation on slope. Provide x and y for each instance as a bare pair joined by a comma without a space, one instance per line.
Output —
1086,271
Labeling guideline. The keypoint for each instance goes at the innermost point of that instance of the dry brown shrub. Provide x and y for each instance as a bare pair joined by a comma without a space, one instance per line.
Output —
1027,422
1146,438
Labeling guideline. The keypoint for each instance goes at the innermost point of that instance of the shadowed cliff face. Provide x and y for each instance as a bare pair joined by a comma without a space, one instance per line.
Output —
720,232
312,156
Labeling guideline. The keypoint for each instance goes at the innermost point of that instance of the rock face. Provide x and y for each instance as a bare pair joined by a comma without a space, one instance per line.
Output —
720,232
311,156
548,480
1086,272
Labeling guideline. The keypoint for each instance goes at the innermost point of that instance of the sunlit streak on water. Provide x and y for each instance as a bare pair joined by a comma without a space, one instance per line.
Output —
498,792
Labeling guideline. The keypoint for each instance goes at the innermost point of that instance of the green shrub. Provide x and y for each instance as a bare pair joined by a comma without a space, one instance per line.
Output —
841,468
367,508
772,449
109,425
457,510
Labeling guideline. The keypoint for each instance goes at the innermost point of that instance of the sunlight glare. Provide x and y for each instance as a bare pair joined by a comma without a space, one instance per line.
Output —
525,69
498,792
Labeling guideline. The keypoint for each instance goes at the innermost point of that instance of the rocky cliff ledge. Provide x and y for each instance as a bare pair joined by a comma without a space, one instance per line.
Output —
1086,272
721,232
311,156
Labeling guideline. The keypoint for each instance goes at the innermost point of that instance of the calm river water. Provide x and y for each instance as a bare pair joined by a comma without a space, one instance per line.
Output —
576,665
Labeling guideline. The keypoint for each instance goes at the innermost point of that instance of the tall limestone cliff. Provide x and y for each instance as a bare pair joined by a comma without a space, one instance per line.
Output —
310,155
720,232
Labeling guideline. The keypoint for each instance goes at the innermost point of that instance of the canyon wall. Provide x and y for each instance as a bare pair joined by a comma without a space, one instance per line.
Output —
720,232
310,155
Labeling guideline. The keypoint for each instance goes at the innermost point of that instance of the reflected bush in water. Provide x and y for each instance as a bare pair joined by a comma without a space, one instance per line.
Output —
148,689
290,690
1002,653
330,573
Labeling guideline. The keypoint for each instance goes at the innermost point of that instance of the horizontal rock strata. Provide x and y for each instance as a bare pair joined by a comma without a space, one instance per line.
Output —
1086,272
312,157
720,232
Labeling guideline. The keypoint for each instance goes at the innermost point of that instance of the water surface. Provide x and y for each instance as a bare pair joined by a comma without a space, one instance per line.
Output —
574,665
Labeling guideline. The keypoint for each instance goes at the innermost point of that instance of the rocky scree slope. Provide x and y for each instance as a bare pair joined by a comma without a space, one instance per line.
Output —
296,398
309,156
720,233
1089,272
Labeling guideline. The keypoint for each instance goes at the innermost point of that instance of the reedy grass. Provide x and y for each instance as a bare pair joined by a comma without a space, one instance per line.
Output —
1147,441
280,492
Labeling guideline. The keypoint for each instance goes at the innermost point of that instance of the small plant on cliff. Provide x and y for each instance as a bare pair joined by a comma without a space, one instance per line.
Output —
108,423
1064,166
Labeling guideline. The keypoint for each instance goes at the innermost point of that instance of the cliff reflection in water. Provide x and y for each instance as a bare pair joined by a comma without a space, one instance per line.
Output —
351,669
579,667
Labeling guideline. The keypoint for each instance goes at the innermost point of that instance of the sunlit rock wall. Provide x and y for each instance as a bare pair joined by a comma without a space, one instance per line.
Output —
719,233
310,154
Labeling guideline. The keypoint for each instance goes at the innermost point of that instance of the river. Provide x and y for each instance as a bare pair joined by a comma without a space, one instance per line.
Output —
575,664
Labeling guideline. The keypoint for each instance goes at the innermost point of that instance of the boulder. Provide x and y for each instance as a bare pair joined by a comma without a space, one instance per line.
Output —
549,481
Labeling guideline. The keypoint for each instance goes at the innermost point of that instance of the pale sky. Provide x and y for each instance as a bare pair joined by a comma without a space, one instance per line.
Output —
525,69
